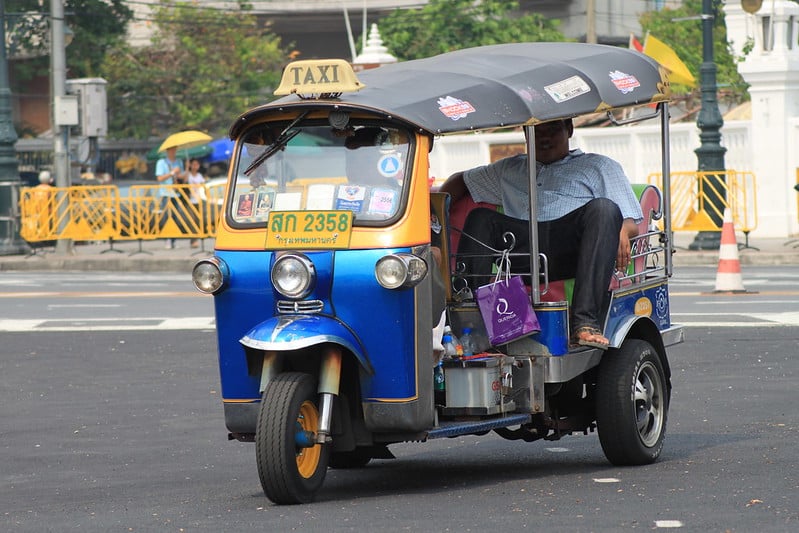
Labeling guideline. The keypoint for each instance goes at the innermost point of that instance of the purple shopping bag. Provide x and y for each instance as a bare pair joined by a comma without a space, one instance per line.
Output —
506,310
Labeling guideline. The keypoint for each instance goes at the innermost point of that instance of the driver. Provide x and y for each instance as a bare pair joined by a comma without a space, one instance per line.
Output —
587,214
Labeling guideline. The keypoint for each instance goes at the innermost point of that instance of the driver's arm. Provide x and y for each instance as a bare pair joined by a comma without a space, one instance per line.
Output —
629,229
455,186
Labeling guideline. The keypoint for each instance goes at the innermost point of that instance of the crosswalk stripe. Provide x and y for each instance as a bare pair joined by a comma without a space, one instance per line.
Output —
107,324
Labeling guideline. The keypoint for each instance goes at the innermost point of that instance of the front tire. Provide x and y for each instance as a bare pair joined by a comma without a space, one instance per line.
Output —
632,404
289,473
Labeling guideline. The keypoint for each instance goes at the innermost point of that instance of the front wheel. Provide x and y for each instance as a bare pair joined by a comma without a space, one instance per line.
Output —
290,471
632,404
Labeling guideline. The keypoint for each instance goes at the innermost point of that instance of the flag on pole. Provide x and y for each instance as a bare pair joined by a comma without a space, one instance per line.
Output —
666,56
635,44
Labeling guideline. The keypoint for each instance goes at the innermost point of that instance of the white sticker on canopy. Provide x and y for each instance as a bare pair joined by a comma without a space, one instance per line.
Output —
454,108
567,89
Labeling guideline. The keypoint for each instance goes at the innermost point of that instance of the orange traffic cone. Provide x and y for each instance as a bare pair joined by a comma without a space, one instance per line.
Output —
728,276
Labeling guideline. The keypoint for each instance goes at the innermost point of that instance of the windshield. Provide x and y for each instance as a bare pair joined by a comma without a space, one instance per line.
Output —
313,167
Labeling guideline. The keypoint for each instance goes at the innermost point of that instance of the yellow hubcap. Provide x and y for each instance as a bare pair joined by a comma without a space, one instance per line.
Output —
308,458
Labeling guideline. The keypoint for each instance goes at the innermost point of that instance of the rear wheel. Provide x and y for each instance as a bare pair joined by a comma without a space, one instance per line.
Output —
290,470
632,404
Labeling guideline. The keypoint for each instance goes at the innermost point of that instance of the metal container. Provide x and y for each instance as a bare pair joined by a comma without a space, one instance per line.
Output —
554,320
474,386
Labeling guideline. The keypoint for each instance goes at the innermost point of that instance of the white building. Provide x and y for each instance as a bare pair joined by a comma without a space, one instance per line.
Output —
318,28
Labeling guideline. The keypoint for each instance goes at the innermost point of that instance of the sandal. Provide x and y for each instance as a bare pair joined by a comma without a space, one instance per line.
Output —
587,336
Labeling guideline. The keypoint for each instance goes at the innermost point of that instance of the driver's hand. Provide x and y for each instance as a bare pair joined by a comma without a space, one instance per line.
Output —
623,255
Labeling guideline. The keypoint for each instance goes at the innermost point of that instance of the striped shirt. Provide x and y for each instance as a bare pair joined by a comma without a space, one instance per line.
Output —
563,186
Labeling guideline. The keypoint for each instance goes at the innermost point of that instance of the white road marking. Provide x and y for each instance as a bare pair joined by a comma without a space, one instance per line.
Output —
668,523
70,306
107,324
100,295
760,320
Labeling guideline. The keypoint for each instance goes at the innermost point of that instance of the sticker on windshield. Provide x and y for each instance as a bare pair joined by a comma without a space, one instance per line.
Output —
626,83
454,108
350,198
567,89
382,202
245,205
389,165
264,205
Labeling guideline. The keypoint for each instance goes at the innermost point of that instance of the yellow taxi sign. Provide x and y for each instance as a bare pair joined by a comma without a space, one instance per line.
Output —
318,76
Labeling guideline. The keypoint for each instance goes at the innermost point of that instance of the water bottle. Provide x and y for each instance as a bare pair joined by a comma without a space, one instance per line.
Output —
439,389
467,342
450,351
455,342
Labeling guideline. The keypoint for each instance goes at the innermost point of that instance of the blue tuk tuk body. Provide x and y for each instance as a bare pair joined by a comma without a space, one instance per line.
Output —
328,292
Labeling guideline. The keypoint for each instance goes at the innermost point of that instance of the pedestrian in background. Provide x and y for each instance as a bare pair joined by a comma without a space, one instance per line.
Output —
42,209
196,182
169,171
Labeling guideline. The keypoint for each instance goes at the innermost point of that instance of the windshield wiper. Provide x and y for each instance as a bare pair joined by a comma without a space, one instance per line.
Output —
280,143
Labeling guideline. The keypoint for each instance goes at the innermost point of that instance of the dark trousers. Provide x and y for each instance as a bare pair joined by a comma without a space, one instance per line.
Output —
581,245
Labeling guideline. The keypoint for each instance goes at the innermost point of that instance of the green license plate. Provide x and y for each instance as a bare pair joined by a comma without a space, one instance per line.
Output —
309,230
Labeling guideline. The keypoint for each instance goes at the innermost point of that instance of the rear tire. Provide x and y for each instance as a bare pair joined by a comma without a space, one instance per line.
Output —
632,404
289,473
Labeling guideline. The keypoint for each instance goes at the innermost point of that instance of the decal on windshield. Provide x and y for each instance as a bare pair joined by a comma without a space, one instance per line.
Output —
454,108
350,197
382,202
626,83
389,165
567,89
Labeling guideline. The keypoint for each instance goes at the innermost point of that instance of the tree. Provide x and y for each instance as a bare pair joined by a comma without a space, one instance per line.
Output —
203,68
685,37
96,25
447,25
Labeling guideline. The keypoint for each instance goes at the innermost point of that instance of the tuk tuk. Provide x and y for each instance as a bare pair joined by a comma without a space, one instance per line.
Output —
327,292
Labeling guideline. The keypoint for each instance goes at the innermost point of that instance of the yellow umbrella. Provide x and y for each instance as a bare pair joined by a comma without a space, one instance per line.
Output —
185,139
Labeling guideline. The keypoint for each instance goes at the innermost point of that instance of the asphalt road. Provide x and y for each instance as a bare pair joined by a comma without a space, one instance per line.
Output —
112,421
123,431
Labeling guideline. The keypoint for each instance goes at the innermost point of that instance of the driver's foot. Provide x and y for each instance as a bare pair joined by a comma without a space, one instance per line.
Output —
589,336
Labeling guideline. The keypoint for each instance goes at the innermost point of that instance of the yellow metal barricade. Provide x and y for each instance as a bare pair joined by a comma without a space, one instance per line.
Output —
139,212
163,211
214,201
37,213
77,213
84,213
91,214
698,199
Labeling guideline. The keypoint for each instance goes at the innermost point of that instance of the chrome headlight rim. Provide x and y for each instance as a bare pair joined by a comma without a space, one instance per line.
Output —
210,276
400,270
282,279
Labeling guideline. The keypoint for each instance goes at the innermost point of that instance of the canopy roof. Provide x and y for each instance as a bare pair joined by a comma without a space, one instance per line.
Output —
497,86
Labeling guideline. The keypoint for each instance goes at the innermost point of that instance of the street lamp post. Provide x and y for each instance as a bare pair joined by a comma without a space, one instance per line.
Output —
10,241
58,78
710,154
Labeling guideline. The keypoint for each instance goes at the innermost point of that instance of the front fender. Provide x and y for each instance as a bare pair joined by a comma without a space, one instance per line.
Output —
293,332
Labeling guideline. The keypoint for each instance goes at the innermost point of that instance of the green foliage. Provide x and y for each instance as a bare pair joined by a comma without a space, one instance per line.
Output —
447,25
685,37
203,68
96,25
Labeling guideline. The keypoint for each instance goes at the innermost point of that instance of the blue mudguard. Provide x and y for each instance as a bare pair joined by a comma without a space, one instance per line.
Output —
293,332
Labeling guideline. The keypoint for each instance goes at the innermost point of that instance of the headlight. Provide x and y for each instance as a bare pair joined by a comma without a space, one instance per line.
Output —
209,275
293,276
400,270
